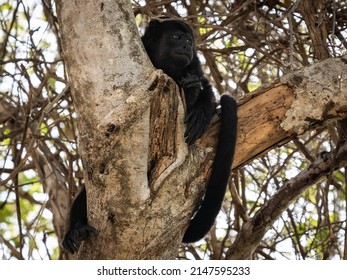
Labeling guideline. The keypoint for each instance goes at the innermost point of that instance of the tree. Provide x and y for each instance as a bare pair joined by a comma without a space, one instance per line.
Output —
141,177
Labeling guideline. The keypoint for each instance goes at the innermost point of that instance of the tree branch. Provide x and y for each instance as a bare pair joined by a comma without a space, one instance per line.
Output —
301,101
254,229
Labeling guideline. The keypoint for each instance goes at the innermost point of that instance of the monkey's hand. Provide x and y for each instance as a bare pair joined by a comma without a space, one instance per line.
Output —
191,85
198,119
74,237
190,81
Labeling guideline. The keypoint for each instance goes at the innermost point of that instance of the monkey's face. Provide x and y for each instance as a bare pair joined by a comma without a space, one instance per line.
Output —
176,49
170,46
181,47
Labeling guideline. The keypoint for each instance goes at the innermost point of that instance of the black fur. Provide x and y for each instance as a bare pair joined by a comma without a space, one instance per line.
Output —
79,229
221,167
171,47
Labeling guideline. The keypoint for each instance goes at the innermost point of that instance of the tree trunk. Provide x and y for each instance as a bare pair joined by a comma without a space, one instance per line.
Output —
131,136
143,182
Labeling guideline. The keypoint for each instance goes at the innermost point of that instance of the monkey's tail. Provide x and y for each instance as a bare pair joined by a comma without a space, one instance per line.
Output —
221,168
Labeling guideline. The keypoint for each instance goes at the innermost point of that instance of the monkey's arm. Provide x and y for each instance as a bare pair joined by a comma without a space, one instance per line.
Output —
201,106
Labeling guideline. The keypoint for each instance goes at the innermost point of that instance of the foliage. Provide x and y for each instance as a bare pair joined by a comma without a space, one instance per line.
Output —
244,45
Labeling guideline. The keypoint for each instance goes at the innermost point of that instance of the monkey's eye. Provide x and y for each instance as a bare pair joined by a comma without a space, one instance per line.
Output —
176,36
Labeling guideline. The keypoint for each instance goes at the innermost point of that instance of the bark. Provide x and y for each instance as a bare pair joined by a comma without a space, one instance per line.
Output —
317,24
142,180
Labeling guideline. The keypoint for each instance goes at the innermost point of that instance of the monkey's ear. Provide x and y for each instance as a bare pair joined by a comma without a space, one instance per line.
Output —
151,28
153,24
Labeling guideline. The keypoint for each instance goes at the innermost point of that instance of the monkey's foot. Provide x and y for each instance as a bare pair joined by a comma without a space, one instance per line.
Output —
74,237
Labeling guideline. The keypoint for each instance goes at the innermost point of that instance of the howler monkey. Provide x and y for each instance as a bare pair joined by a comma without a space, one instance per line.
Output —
171,46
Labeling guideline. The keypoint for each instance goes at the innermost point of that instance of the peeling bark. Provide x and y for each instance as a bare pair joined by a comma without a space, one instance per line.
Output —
322,89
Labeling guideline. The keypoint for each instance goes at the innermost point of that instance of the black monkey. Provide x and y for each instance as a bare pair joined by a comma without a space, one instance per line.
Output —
171,47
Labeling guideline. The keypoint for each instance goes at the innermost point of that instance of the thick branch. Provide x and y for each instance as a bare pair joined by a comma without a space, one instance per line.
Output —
300,101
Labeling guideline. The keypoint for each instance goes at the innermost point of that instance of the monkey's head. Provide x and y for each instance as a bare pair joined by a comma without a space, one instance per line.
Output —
170,45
